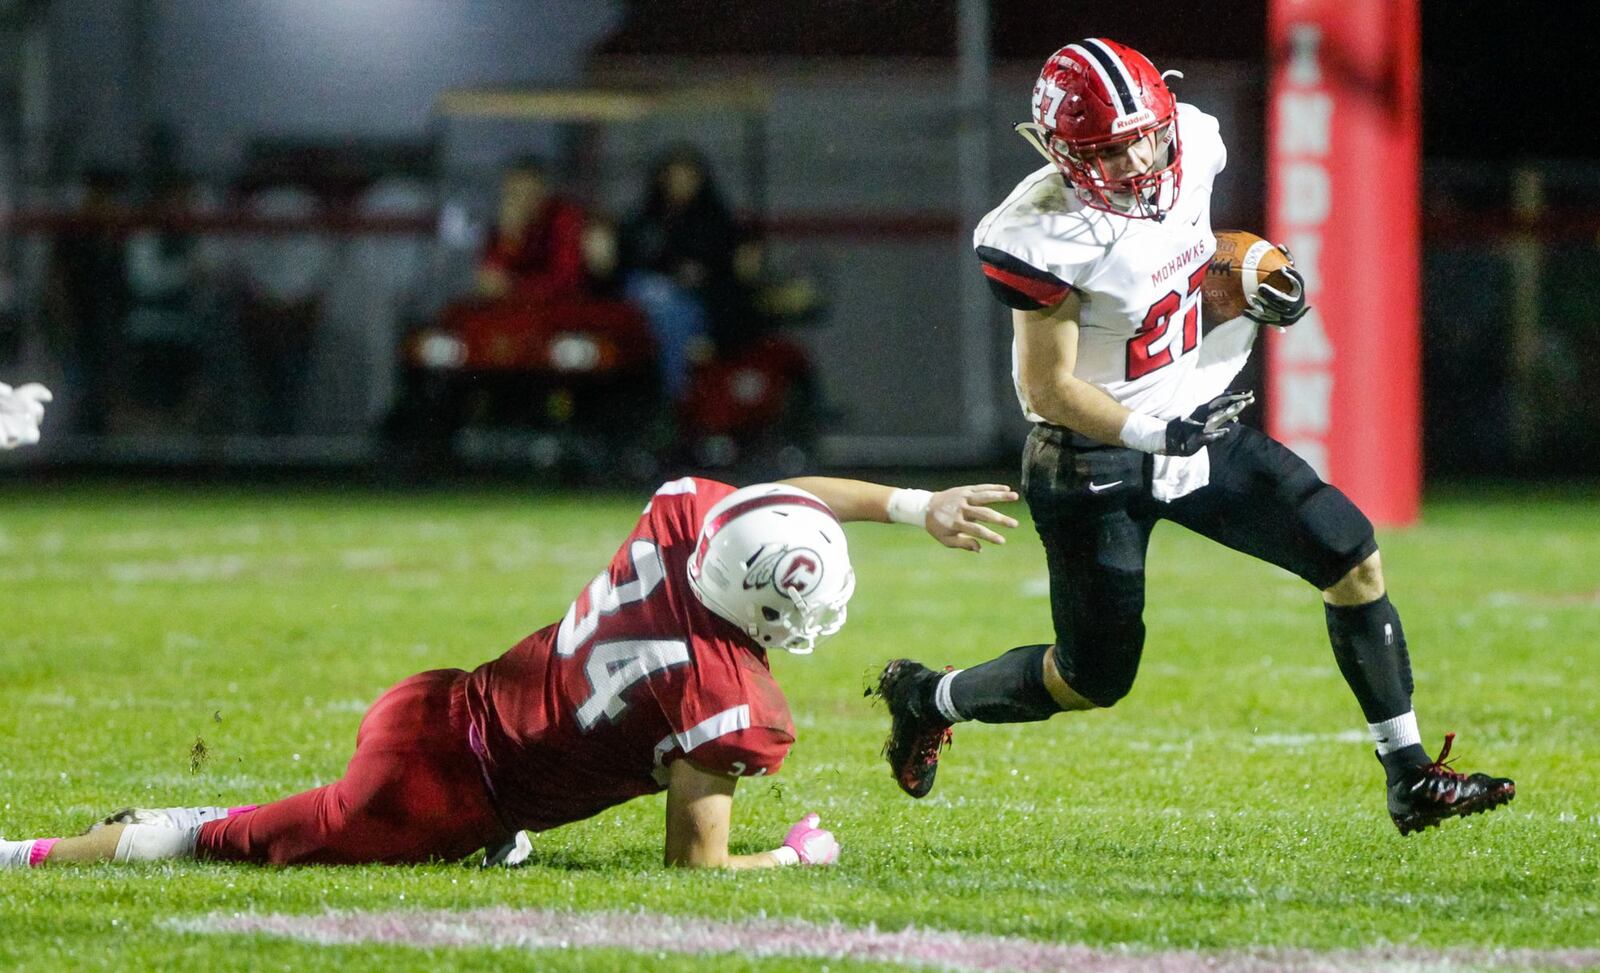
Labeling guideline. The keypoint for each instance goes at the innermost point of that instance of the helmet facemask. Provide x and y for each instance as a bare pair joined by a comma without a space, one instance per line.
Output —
1104,116
1141,192
798,627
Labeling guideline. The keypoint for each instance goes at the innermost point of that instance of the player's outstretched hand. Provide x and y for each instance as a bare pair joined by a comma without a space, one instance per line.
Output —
957,517
1269,305
1207,424
812,844
21,411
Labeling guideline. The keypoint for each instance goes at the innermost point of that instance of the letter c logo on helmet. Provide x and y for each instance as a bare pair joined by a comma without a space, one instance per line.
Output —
772,560
795,570
799,572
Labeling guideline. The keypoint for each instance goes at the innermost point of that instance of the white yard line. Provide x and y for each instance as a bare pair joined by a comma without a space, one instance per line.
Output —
538,929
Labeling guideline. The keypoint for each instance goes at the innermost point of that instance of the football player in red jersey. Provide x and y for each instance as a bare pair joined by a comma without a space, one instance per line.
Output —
1101,255
656,679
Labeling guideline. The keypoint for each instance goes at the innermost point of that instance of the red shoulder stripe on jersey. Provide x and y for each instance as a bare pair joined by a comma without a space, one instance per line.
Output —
1008,272
743,507
1047,294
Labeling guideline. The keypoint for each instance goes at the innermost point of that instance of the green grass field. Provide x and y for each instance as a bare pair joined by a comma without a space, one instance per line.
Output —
1229,803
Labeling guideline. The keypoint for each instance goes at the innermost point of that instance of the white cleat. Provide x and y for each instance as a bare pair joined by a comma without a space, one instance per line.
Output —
512,854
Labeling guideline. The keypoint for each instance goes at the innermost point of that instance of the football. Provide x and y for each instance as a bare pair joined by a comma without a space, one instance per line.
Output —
1243,262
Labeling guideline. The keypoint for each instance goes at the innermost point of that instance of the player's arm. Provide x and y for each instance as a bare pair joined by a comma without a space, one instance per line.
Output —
1047,352
957,517
700,812
1044,316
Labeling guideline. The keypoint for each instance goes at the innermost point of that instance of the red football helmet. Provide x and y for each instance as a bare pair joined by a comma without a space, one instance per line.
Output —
1104,115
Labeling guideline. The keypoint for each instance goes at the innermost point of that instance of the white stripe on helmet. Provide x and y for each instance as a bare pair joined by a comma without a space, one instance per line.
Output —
1122,75
1099,69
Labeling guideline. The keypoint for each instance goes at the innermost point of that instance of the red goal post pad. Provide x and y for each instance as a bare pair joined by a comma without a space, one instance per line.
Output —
1343,162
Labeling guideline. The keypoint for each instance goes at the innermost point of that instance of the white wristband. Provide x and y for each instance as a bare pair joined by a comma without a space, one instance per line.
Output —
1145,433
909,507
785,855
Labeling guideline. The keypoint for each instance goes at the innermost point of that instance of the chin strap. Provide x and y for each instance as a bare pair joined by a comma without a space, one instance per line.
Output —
1030,131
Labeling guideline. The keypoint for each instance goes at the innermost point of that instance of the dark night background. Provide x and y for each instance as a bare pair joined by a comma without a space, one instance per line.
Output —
1495,74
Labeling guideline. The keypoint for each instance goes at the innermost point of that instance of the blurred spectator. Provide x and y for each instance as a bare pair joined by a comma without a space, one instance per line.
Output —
88,297
536,248
602,256
166,330
380,289
678,249
545,340
767,299
284,277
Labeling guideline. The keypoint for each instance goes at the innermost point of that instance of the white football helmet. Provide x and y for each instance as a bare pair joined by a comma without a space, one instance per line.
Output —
772,560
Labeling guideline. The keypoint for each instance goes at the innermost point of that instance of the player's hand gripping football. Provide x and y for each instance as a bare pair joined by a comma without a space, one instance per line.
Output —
21,411
1269,305
957,516
1207,424
811,844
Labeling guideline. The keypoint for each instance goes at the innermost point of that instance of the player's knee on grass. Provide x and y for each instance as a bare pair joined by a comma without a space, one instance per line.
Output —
154,843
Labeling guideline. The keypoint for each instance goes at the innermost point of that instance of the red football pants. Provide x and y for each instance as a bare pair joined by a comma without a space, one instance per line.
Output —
413,792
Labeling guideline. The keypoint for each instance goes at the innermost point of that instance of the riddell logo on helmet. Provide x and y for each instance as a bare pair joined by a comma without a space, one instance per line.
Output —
796,570
1137,119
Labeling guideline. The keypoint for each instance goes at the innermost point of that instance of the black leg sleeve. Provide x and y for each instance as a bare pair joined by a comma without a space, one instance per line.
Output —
1009,689
1370,647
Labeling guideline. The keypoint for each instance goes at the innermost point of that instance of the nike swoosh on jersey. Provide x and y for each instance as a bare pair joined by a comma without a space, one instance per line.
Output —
1103,487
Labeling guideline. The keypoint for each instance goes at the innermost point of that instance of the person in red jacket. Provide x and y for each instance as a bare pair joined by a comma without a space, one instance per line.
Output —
656,679
537,246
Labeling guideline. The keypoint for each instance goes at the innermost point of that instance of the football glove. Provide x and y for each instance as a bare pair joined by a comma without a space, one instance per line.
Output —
1207,424
21,411
1269,305
811,844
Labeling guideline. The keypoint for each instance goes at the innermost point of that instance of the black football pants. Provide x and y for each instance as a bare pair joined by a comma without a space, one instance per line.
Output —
1092,507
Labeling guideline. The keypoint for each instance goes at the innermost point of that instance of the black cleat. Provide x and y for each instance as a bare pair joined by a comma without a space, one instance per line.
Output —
1432,793
915,737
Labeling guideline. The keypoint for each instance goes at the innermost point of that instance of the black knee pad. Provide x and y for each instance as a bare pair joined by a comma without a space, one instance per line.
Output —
1101,659
1340,534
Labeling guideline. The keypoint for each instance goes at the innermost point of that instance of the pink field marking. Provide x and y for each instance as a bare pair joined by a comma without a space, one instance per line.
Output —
534,929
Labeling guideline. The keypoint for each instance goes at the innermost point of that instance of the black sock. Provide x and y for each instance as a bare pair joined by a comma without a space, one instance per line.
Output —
1009,689
1399,764
1370,647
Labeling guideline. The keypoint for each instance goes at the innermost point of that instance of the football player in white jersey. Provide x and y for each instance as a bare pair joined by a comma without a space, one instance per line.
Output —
1101,255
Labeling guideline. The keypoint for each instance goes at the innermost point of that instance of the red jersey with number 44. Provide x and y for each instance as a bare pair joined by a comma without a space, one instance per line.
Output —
1139,280
588,713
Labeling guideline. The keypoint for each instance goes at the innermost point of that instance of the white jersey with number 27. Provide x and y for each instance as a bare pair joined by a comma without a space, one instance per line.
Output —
1138,280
